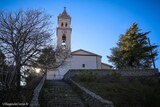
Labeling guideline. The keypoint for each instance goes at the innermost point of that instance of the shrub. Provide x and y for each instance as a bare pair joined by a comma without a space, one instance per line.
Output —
115,75
86,77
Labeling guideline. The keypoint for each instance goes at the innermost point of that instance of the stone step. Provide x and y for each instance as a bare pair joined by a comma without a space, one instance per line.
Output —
65,105
59,94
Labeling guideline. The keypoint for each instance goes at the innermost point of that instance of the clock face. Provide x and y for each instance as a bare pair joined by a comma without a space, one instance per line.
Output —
64,31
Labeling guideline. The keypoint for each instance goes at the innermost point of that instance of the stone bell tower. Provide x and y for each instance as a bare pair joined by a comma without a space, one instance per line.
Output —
64,30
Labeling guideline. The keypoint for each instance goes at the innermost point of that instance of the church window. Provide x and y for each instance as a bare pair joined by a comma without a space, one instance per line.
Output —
83,65
64,41
61,24
66,25
64,38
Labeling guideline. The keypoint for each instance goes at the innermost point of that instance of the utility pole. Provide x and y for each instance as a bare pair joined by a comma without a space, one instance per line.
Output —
151,54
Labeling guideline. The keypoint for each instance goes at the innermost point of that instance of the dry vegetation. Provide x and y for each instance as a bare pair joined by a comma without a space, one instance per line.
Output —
125,91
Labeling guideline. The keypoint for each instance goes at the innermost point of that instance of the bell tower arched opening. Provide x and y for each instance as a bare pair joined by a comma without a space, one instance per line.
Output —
64,41
64,31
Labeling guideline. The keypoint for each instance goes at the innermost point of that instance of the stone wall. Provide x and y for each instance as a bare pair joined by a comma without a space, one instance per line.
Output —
89,97
103,72
34,102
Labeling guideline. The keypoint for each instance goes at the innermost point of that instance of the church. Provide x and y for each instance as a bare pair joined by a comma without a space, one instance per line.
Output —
80,59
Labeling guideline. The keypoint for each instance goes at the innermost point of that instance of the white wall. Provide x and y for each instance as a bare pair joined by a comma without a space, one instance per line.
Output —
99,62
57,74
105,66
91,62
75,62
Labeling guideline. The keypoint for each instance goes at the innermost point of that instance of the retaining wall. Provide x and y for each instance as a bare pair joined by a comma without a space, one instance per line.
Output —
103,72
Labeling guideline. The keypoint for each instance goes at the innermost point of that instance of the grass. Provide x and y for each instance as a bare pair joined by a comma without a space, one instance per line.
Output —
86,76
127,94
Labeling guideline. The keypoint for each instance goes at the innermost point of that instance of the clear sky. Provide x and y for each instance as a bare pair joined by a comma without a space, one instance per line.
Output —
97,24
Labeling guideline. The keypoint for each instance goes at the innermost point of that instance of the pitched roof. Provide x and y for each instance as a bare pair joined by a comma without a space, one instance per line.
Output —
64,14
87,53
107,64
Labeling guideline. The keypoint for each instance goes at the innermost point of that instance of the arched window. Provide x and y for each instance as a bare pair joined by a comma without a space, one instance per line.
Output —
66,25
64,38
62,24
64,41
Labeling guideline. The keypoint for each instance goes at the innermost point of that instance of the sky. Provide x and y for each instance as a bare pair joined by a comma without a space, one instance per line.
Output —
98,24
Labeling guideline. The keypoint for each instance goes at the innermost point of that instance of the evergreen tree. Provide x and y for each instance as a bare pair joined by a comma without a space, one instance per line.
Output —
47,59
51,58
133,50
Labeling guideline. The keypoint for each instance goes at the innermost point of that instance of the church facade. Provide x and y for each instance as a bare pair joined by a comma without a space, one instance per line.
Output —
80,59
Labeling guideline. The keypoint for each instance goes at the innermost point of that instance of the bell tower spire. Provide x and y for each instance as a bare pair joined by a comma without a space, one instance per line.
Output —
64,30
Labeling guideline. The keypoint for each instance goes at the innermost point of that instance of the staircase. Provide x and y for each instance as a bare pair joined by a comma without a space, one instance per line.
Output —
57,93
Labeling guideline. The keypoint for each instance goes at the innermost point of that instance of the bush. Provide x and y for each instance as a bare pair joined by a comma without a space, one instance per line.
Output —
115,76
86,77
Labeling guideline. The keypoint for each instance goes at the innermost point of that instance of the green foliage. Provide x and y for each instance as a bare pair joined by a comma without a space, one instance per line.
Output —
133,50
115,75
86,77
47,59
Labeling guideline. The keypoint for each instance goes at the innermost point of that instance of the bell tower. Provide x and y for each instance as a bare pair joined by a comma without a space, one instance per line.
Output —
64,31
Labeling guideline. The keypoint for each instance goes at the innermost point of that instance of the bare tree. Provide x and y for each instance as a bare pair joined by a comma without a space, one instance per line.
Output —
22,36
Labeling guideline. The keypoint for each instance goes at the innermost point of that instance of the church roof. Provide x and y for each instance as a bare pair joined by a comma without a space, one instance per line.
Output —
64,14
107,64
84,53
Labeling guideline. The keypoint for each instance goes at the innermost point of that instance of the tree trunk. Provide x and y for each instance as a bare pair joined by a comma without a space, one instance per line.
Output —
18,70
